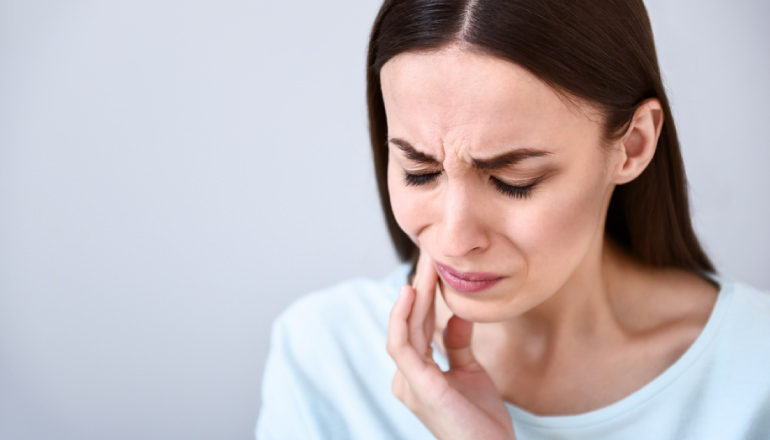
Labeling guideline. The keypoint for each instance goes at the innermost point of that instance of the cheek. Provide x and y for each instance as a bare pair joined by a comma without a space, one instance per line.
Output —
558,231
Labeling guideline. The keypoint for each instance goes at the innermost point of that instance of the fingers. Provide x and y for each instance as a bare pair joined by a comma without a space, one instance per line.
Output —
425,277
399,346
422,319
457,342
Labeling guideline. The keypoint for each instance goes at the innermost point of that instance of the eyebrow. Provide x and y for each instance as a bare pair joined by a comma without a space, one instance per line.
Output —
412,153
492,164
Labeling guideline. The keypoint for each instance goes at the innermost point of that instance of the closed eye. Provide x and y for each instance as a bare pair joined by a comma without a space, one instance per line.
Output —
420,179
515,191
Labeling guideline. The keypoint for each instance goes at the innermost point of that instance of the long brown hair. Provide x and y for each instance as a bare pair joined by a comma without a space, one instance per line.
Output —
601,51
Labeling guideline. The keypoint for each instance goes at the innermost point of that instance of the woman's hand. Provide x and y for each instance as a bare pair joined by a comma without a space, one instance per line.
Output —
461,403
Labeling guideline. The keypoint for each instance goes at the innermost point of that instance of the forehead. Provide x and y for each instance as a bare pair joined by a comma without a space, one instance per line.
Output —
456,96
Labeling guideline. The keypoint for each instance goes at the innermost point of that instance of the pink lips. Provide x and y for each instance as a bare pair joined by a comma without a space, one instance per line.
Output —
467,282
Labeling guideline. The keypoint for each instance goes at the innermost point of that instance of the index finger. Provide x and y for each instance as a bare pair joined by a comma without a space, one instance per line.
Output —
422,319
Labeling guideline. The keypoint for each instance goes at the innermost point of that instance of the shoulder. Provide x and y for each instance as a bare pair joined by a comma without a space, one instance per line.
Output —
733,369
328,333
327,374
747,310
736,335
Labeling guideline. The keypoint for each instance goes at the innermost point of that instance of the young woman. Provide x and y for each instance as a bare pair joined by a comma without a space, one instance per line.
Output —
529,166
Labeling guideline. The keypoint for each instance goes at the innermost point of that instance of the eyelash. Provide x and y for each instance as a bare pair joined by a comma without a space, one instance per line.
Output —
517,192
419,179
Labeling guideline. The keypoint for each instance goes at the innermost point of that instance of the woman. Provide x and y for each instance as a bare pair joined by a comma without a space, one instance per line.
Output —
528,164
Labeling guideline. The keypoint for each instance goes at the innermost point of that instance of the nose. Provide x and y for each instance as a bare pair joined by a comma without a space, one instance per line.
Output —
462,229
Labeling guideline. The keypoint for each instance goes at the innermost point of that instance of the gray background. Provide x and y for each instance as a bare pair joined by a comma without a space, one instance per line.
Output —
173,174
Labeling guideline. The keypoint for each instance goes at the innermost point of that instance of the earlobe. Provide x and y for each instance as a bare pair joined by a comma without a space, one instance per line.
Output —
641,140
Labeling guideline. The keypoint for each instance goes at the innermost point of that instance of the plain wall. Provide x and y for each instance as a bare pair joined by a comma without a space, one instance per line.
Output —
173,174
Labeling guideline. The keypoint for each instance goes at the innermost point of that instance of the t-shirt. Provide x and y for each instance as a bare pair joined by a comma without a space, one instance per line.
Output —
328,376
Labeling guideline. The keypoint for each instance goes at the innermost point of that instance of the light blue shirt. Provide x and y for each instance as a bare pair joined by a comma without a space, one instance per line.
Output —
328,376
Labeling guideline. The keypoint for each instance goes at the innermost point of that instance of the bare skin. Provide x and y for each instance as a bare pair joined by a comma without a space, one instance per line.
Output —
574,324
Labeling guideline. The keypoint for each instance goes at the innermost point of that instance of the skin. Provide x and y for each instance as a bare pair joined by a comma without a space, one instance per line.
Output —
575,323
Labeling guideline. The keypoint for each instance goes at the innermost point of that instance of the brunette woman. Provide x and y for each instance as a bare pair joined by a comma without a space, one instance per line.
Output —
529,167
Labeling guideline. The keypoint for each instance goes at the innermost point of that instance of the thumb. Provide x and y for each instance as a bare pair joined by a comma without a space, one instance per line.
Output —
457,343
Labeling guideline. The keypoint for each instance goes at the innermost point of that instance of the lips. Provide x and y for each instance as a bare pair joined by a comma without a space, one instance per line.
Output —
467,282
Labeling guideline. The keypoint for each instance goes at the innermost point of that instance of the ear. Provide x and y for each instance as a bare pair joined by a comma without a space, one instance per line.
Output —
637,146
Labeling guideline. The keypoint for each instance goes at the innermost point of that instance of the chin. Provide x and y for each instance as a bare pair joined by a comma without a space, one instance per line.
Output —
479,309
489,306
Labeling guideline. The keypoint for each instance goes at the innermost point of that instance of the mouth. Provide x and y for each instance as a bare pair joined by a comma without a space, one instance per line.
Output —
467,282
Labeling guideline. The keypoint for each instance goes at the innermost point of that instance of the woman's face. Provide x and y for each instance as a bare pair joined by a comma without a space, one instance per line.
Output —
491,172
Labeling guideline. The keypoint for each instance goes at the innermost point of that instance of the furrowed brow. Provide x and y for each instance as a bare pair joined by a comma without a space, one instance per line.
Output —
507,159
412,153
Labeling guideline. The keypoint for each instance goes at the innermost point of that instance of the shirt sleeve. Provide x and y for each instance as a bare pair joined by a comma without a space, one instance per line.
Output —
293,406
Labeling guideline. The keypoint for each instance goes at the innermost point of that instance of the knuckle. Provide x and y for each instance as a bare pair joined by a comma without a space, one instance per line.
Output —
396,387
392,348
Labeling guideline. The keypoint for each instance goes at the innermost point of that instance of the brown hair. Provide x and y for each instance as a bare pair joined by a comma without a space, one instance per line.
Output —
601,51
